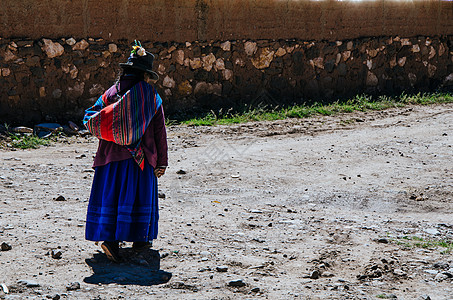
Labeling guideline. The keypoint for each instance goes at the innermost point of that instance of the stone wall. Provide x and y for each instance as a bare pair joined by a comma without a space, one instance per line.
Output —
219,54
56,80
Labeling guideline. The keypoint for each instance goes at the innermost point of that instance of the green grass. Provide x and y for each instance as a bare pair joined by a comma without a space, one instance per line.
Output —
358,103
446,246
27,141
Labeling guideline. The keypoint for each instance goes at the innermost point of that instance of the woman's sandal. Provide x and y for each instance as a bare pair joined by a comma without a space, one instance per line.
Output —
142,245
112,251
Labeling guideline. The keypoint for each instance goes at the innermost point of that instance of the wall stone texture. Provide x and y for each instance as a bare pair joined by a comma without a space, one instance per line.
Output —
56,79
58,56
205,20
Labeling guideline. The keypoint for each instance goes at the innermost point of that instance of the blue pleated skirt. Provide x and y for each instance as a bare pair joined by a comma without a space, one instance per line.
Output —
123,203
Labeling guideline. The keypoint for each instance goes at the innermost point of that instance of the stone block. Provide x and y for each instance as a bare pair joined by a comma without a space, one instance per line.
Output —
250,48
208,61
195,63
219,64
226,46
264,60
371,79
52,49
227,74
81,45
185,88
179,57
168,82
71,41
5,72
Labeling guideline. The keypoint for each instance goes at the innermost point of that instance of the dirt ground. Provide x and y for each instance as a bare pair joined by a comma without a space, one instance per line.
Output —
347,207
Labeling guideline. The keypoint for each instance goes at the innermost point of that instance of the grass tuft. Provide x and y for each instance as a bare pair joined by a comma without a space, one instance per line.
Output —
419,242
358,103
27,141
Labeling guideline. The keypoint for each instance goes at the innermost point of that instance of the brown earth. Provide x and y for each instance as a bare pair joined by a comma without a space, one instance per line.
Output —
191,20
320,208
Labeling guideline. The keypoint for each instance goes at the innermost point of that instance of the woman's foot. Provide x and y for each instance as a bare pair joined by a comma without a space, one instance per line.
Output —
142,245
112,250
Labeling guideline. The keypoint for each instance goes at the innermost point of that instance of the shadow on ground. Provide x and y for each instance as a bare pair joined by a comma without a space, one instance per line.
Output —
137,268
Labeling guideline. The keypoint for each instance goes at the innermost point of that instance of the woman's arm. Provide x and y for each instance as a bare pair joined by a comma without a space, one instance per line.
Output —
160,138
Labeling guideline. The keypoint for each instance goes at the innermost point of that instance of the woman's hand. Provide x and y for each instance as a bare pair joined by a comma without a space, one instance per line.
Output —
159,171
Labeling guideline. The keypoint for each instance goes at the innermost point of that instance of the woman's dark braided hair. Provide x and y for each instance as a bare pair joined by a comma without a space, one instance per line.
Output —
138,74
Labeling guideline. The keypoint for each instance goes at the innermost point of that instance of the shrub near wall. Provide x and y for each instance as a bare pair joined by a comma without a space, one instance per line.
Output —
55,80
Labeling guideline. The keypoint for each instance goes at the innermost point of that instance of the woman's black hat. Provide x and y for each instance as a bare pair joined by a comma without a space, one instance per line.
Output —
141,60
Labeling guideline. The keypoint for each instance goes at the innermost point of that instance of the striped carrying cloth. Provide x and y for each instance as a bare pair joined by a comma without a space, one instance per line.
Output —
125,121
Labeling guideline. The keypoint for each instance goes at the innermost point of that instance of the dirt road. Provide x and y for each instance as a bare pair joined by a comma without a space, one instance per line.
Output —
357,206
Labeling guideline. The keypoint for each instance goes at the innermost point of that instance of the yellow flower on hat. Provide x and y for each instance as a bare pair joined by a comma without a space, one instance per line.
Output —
138,49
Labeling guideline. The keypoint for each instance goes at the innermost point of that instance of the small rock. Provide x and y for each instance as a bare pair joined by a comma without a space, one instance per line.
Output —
4,288
84,132
161,195
255,211
49,126
425,297
399,272
383,241
71,41
440,265
181,172
42,134
28,283
82,45
113,48
226,46
68,131
236,283
73,286
315,274
221,268
60,198
392,296
6,247
255,290
56,254
22,129
73,126
441,277
432,231
204,269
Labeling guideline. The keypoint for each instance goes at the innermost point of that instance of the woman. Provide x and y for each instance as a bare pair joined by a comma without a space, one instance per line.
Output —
129,121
